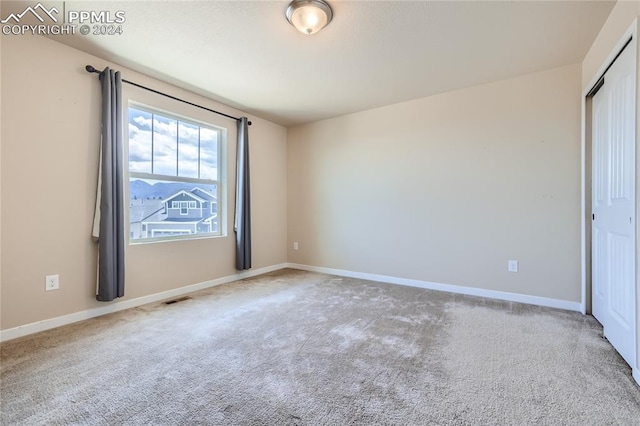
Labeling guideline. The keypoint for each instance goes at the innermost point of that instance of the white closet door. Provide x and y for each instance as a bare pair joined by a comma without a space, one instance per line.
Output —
613,203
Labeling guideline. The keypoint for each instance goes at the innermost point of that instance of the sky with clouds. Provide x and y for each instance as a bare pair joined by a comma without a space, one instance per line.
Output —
166,146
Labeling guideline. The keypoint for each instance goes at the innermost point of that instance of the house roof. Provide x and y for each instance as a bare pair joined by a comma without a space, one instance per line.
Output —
141,209
208,219
159,216
188,194
204,194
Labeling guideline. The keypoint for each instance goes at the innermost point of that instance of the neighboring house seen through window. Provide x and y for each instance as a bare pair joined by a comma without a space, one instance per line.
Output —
174,175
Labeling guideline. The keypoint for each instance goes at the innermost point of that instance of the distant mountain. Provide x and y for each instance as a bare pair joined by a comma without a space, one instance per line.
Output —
139,189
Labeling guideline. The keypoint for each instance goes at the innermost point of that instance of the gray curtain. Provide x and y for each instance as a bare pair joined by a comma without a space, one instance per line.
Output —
242,225
109,217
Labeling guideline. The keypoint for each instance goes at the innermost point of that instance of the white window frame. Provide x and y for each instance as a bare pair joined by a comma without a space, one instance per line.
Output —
219,182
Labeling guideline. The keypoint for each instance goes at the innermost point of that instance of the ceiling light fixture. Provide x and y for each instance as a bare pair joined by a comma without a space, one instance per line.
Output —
309,16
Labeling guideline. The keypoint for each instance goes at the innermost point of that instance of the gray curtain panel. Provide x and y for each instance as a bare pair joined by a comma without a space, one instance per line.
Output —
242,225
109,219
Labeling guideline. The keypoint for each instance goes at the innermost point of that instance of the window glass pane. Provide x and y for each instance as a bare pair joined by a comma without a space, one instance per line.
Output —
164,208
165,145
183,202
208,154
187,150
139,141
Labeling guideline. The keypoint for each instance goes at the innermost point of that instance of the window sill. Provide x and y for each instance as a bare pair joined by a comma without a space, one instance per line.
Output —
172,239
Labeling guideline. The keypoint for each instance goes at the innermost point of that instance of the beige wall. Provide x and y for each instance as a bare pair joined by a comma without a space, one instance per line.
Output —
447,188
50,137
620,20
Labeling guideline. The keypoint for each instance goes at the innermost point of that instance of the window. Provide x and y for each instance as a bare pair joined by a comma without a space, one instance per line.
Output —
183,206
174,170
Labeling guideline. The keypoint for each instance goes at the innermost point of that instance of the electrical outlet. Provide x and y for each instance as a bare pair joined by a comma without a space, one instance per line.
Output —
513,266
52,282
295,245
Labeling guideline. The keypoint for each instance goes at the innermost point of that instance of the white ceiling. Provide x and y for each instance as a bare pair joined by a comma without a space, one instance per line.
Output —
373,53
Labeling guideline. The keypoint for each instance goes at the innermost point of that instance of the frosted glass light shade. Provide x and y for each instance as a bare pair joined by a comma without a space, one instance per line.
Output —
309,16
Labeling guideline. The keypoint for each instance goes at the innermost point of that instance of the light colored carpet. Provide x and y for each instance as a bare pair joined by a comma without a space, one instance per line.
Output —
300,348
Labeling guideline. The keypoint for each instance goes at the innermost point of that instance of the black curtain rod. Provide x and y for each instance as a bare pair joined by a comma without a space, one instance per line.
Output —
90,68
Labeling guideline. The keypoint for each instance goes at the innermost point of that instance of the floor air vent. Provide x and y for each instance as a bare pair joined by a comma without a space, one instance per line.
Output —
180,299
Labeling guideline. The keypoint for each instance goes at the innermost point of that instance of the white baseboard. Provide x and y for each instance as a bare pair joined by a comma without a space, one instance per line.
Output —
636,375
35,327
471,291
24,330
